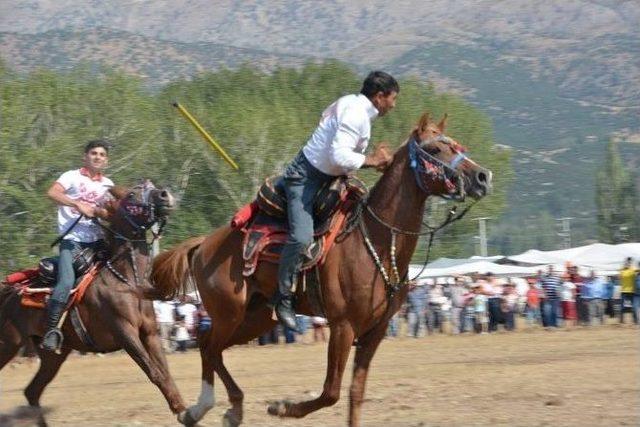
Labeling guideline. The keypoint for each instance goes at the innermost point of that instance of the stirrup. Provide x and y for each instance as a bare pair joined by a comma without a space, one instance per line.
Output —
52,334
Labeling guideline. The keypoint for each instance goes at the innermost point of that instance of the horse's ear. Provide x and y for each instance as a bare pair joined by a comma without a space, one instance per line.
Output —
423,124
119,191
443,123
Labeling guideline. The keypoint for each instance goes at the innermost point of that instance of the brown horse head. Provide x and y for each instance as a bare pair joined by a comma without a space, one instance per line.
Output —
134,210
441,166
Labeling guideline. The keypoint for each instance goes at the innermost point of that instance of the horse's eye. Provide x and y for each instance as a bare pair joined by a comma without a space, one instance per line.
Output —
432,150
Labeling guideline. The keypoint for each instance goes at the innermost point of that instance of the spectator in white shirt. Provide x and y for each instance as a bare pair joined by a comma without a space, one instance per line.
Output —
188,312
165,316
335,148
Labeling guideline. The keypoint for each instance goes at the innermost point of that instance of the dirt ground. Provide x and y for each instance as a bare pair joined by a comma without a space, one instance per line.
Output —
579,377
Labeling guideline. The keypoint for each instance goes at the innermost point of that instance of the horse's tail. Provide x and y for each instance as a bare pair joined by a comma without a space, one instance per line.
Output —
170,270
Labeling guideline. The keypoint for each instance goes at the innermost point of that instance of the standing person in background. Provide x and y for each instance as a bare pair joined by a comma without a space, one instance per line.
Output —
609,309
509,306
552,285
480,309
165,316
189,314
182,335
417,310
533,303
628,276
587,297
568,301
582,309
598,291
458,293
434,308
494,292
543,300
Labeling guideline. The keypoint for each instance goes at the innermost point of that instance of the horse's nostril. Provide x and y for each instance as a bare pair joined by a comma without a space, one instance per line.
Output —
164,194
482,177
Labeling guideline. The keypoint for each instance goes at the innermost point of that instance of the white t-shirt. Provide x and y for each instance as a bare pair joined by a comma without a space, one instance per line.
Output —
78,185
164,311
337,145
189,312
568,293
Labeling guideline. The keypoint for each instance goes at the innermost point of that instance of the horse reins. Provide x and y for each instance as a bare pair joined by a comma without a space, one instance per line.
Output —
423,164
138,230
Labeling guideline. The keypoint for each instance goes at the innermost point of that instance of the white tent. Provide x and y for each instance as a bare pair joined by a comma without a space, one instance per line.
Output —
598,256
481,267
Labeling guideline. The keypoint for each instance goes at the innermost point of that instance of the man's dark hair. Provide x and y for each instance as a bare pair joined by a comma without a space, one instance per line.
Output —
97,143
379,81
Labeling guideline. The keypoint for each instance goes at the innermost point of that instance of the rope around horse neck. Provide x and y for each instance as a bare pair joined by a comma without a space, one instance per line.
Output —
393,287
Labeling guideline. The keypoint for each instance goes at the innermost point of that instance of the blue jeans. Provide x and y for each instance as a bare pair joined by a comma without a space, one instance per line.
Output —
301,183
551,309
631,298
533,315
66,274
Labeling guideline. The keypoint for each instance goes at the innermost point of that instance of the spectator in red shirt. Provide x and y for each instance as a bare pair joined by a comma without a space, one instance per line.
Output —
533,303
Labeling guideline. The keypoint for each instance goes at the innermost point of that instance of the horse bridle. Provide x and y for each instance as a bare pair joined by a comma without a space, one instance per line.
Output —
426,165
131,211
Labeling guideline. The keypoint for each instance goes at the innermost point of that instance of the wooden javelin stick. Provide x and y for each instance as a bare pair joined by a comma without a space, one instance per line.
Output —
205,135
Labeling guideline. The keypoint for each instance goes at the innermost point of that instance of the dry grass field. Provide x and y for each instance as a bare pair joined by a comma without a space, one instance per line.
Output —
580,377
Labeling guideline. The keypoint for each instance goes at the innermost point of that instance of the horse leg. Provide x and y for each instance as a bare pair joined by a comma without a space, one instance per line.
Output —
50,364
211,346
153,345
367,346
255,323
339,346
128,337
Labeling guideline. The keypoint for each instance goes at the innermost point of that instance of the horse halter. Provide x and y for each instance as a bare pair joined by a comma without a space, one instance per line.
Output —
140,215
427,167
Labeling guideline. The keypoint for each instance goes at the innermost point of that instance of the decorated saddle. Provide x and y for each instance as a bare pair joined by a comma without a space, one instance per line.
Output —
264,221
35,284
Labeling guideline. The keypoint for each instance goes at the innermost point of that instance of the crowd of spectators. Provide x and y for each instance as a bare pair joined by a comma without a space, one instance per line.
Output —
485,304
181,321
476,304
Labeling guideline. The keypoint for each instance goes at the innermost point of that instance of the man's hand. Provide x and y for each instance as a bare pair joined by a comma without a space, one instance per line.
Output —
380,159
86,209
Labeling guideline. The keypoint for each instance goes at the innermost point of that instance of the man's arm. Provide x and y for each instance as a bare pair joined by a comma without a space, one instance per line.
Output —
57,194
344,144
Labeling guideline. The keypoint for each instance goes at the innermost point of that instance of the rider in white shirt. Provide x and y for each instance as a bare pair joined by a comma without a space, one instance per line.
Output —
77,193
336,148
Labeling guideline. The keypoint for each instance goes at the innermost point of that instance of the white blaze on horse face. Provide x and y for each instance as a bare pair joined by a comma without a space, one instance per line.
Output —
205,402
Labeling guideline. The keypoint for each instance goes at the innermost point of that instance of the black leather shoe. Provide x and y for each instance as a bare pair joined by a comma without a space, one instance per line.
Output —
285,313
52,340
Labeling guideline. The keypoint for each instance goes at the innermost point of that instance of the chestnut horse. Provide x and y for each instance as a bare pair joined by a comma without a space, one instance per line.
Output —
113,314
360,280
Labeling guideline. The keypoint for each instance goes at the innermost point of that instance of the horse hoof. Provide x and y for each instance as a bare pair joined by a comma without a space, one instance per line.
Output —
278,408
230,420
186,419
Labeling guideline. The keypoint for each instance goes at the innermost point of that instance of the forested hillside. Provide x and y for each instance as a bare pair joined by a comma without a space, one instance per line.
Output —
262,119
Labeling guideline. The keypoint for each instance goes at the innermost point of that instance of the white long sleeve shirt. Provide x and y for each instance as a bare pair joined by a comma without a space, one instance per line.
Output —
337,145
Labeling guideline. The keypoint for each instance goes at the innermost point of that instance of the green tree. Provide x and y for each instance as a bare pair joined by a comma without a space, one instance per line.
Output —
616,199
261,119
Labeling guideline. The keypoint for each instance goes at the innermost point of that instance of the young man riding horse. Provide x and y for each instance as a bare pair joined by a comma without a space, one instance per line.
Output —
76,192
335,148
